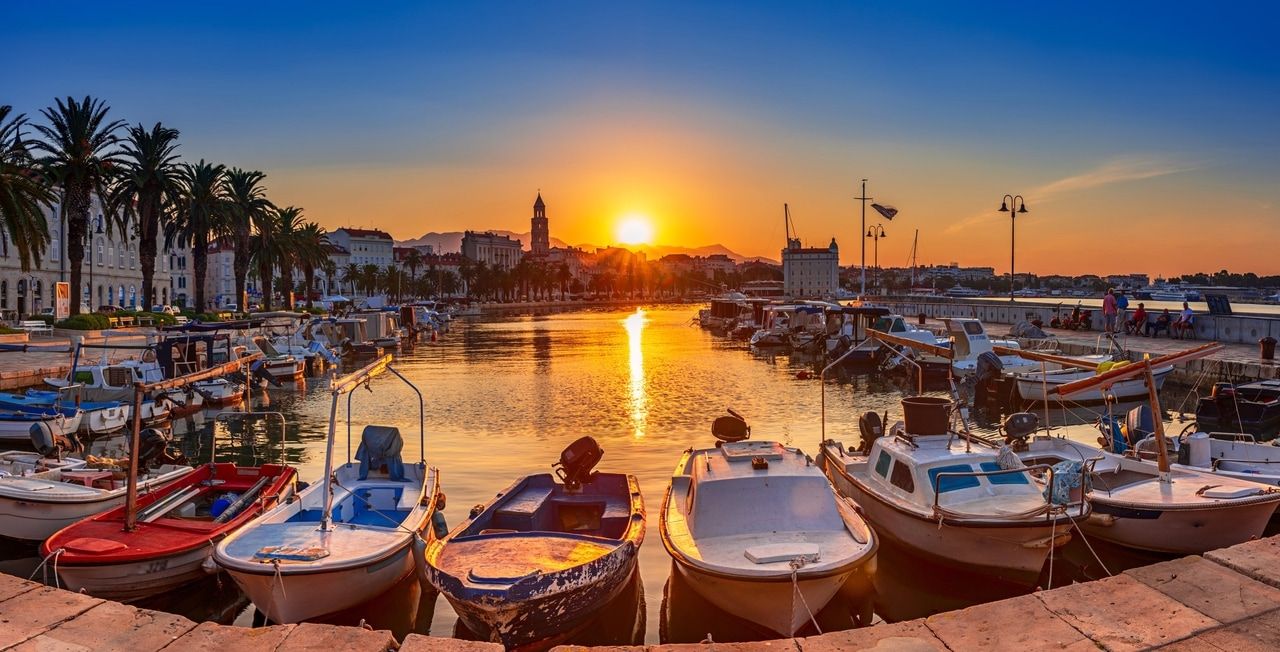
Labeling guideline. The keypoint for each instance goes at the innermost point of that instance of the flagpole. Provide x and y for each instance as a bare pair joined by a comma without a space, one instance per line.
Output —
863,230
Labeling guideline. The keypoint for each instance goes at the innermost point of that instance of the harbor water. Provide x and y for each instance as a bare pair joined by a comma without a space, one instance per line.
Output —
505,393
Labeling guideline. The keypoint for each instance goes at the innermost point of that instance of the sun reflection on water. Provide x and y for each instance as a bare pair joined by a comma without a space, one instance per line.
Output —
634,324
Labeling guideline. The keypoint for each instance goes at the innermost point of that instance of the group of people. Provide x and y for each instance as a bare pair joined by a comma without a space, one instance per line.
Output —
1115,308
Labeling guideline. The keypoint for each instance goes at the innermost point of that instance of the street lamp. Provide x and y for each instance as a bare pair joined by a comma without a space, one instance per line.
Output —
97,230
1012,204
875,233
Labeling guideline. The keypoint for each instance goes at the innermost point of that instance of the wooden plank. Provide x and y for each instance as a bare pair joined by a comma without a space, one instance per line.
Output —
1115,375
1046,357
934,349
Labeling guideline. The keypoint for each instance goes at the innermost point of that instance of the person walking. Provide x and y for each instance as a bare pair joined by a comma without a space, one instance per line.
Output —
1109,311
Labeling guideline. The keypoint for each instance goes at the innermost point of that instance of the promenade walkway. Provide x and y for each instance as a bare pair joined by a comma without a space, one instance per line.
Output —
1225,600
19,369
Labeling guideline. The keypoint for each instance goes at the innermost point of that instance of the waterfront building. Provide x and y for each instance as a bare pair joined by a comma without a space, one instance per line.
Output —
220,277
111,273
810,272
495,251
365,246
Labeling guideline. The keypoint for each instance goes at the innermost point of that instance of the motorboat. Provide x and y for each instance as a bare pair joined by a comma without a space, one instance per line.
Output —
1232,454
722,312
791,324
1179,511
219,392
26,464
932,489
34,507
16,422
347,538
756,530
961,292
541,558
281,367
115,381
1035,386
1252,408
969,340
172,538
382,327
871,352
97,417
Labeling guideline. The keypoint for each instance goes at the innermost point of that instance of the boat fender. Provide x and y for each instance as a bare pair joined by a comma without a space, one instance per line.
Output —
419,547
1101,520
209,566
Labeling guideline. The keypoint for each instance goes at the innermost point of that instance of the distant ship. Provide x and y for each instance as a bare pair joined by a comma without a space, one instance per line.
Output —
962,292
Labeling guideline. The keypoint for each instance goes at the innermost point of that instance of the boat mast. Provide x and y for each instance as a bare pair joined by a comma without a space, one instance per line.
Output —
1157,419
914,241
864,198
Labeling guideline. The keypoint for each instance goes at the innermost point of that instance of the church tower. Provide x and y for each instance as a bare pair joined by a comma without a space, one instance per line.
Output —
541,236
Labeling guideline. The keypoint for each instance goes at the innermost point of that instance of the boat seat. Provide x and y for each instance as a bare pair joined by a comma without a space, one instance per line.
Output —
519,512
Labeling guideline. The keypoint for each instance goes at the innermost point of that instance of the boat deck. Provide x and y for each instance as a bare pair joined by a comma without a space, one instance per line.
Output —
492,559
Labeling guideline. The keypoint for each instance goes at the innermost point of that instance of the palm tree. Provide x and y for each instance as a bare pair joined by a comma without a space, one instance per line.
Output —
145,192
413,260
351,275
370,279
201,212
24,194
272,250
80,147
247,207
467,270
311,248
563,276
289,225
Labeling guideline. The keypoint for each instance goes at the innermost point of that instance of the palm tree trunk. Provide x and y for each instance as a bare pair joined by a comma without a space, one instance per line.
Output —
264,278
149,221
200,267
309,278
77,212
241,265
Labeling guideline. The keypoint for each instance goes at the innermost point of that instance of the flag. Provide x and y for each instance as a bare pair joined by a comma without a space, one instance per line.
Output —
887,211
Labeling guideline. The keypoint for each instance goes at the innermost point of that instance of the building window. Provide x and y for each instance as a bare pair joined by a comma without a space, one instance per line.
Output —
111,255
4,294
99,252
55,248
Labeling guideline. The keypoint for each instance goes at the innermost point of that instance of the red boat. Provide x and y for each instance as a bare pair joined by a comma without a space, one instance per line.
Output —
177,528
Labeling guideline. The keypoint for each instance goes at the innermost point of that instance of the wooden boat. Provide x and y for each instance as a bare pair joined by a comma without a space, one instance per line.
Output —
1185,512
930,489
26,464
97,418
540,559
16,422
1034,386
178,524
33,508
280,366
344,541
1252,408
757,530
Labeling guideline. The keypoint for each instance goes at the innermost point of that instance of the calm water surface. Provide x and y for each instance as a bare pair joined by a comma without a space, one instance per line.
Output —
504,395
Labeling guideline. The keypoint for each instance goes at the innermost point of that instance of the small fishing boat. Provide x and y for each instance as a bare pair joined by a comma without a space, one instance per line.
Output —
931,489
757,530
113,382
172,540
33,508
1252,408
16,422
98,417
541,558
1035,386
347,538
280,366
25,464
219,392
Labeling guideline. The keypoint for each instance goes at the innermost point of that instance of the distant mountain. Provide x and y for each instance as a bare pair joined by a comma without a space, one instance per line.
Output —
450,241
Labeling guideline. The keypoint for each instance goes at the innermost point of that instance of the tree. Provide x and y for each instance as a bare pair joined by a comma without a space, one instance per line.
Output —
563,276
351,276
247,207
24,194
201,213
79,143
287,253
413,260
311,247
146,188
370,279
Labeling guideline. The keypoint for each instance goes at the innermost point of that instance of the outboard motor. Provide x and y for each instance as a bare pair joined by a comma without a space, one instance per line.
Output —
731,427
259,370
48,444
153,447
1019,426
988,370
576,463
1224,398
872,428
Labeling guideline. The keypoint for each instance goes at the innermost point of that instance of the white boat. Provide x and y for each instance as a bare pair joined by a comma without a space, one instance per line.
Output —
757,530
948,499
1235,455
969,340
282,367
791,324
97,418
115,382
219,392
962,292
1039,386
26,464
16,423
343,541
33,508
1185,512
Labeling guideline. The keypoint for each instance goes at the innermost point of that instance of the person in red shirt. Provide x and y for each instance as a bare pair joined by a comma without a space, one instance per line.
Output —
1139,320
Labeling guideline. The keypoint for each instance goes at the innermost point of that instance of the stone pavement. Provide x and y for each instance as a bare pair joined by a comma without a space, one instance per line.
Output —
1226,600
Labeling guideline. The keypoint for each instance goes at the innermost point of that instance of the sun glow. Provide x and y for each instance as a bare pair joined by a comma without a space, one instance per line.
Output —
635,229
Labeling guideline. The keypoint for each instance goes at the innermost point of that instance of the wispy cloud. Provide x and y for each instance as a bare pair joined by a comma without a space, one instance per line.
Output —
1119,170
1134,168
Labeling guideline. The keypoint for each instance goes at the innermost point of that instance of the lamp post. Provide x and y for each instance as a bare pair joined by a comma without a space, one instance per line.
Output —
97,230
1012,204
875,233
864,199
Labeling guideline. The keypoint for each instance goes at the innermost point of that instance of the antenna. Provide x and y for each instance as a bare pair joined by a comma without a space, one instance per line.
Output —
792,237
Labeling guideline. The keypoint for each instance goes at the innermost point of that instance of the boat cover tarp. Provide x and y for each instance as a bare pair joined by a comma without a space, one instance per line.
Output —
1066,476
381,445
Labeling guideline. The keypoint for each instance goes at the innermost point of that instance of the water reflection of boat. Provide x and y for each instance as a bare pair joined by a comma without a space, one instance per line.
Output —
542,557
754,525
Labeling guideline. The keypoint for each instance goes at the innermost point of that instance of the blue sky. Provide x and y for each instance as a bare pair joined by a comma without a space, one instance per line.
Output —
708,116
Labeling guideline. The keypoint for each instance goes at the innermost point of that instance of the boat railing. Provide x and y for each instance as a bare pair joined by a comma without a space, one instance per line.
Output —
1236,437
1045,468
226,418
1218,461
347,385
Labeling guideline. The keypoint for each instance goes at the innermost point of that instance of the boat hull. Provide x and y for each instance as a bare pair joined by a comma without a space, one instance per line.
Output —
1179,532
1014,553
129,582
775,604
295,598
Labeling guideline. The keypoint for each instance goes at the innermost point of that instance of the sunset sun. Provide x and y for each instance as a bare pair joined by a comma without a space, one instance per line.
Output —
635,230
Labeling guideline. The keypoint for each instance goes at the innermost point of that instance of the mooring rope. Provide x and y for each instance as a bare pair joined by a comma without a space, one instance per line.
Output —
796,565
43,567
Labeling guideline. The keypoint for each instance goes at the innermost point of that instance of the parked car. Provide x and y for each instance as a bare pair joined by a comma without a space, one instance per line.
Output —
164,310
108,309
230,307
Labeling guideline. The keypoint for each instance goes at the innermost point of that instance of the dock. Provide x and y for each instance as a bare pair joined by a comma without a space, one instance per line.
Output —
22,369
1227,599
